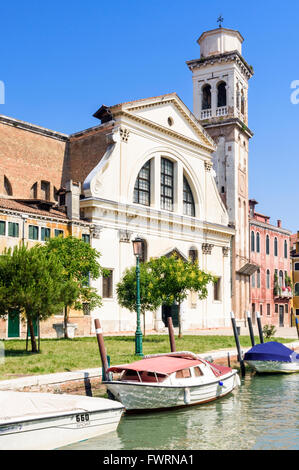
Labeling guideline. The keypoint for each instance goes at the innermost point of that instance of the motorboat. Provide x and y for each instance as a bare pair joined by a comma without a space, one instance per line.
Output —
170,380
42,421
272,357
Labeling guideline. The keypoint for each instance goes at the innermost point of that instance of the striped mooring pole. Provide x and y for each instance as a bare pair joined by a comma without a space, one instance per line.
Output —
99,334
240,359
297,326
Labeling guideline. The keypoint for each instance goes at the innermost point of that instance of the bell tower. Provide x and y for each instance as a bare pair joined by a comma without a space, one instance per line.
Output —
220,103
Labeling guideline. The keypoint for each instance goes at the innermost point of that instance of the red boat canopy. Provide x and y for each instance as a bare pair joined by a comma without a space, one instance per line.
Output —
160,365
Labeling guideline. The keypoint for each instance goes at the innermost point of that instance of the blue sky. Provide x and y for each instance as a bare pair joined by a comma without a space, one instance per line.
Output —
60,60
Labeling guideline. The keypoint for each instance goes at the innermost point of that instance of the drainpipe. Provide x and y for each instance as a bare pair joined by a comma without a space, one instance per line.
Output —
24,219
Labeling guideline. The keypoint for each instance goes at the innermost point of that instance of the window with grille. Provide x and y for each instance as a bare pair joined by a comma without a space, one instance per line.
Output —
188,201
142,193
13,229
268,309
167,190
108,285
33,232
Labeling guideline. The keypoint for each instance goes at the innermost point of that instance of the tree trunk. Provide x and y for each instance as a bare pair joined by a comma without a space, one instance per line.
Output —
32,335
180,321
66,319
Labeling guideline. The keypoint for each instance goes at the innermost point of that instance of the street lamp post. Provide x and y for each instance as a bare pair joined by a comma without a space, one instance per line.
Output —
137,249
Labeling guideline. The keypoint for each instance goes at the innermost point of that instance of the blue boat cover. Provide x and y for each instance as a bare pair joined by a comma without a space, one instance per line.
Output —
271,351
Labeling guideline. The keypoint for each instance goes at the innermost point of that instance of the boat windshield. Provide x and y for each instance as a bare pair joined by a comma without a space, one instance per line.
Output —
144,376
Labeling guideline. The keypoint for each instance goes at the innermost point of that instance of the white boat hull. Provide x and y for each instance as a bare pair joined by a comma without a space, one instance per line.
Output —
274,367
59,429
141,396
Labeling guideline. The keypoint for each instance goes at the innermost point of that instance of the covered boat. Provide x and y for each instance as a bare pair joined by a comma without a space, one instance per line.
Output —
272,357
42,421
170,380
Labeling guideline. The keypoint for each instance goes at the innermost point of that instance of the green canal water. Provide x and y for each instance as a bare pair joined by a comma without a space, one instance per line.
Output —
262,414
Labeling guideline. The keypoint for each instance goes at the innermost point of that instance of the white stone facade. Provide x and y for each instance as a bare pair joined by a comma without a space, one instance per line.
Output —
152,129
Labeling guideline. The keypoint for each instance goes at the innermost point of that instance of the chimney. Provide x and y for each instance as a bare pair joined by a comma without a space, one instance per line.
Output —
72,199
279,223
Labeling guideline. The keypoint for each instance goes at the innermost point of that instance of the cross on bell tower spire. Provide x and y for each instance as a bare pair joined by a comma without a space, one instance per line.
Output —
220,21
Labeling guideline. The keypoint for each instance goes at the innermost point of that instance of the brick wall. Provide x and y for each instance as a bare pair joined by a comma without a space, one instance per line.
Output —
27,156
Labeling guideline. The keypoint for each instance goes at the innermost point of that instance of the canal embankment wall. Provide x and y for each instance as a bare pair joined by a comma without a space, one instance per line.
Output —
89,381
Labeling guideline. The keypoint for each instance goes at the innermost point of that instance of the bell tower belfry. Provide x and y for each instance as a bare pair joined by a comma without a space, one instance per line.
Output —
220,103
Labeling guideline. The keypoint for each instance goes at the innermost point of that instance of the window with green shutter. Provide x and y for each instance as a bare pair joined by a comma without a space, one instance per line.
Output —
45,234
13,229
2,227
58,233
86,237
33,232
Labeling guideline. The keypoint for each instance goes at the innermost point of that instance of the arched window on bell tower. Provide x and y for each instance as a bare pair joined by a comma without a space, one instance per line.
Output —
206,97
221,95
242,103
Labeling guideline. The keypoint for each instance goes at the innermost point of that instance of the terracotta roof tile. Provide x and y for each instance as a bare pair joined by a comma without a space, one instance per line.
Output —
13,205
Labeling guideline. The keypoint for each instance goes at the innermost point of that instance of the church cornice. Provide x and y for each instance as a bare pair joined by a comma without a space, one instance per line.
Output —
231,56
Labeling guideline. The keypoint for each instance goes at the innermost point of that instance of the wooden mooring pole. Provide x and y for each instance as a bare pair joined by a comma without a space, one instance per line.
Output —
171,334
250,328
99,333
259,324
297,326
240,359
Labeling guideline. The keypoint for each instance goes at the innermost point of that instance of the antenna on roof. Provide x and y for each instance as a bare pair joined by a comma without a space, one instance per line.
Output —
220,21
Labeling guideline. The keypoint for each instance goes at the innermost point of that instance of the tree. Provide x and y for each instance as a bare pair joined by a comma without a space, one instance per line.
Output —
175,278
80,262
33,282
126,291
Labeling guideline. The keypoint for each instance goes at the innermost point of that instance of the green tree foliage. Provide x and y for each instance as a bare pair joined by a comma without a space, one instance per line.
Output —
80,263
126,290
175,278
33,282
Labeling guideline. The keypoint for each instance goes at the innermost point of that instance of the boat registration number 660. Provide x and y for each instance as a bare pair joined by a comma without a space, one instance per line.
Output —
82,419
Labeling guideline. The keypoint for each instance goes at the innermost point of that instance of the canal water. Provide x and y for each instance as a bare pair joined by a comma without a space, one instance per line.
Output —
262,414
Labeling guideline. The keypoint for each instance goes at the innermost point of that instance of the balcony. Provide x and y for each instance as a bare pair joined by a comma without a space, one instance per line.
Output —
283,293
206,113
221,111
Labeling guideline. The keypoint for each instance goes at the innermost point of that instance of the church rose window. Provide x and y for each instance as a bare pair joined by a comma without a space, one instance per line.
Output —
189,206
142,185
166,184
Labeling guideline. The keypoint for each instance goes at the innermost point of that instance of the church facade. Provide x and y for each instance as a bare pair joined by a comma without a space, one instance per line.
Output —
151,168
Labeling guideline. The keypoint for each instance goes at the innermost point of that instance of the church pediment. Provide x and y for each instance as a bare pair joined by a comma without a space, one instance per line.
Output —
167,114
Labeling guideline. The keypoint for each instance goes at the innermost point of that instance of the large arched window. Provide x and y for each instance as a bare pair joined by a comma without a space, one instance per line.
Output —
275,247
267,245
206,97
258,242
167,186
188,201
252,241
142,193
221,94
